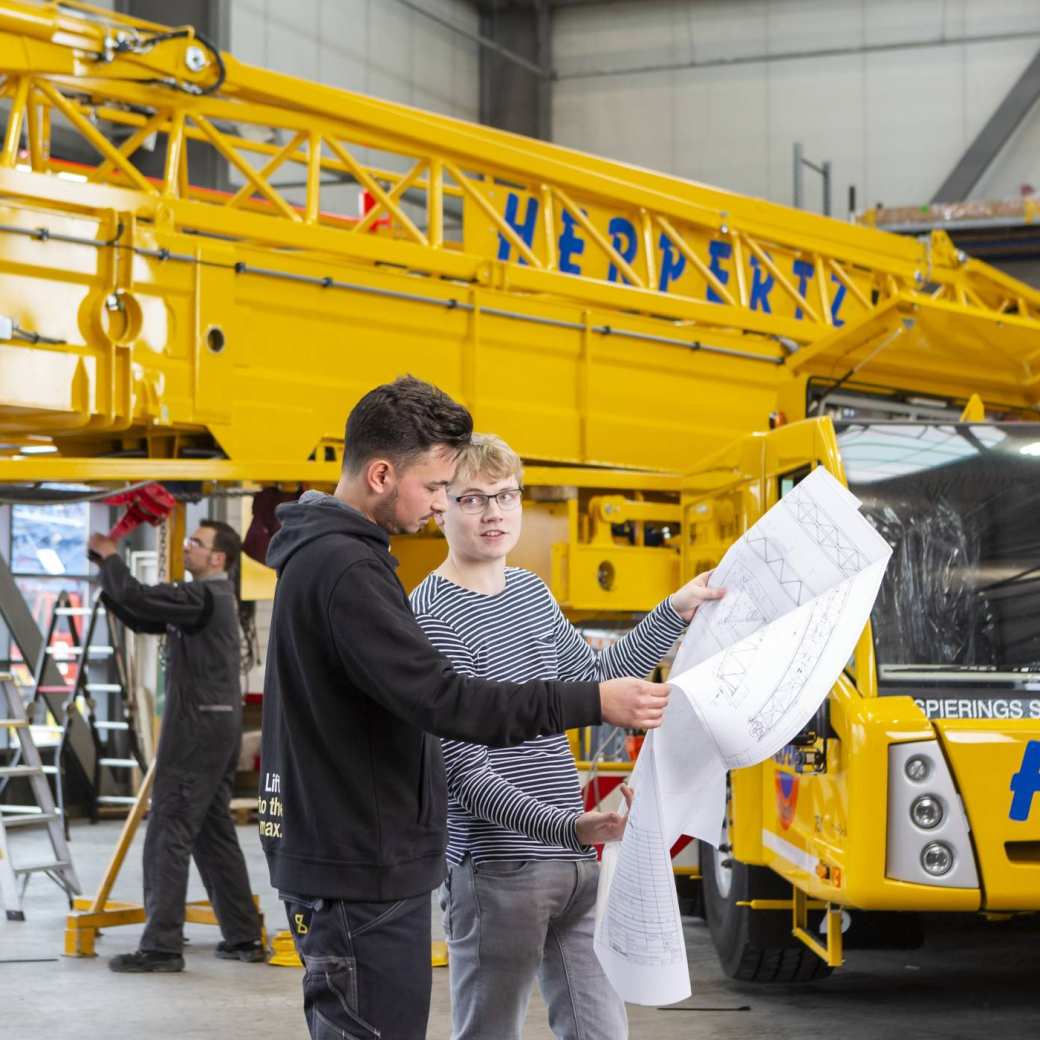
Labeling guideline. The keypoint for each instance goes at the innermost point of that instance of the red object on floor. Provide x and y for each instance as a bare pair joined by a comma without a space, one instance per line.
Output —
150,504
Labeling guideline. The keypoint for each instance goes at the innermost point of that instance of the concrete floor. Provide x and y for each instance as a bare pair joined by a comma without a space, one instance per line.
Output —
970,981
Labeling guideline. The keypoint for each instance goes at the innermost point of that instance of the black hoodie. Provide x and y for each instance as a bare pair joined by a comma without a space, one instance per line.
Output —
352,789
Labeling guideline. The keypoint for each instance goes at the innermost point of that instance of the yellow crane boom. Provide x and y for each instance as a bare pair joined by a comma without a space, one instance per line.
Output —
590,311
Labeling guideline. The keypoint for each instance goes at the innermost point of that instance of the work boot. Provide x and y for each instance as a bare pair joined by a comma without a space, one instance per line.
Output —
141,961
252,951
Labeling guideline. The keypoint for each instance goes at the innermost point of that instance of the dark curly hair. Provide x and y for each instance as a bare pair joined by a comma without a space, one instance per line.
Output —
400,421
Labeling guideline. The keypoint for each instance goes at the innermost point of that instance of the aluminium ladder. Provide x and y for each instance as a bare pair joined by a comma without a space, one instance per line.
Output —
41,813
114,735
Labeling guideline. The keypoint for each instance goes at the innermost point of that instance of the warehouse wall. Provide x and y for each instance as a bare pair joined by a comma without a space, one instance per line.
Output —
377,47
892,113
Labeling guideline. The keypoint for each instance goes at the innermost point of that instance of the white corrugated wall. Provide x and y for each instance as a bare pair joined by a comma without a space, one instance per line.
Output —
891,105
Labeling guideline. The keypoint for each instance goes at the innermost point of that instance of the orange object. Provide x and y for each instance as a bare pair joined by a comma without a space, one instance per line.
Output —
633,743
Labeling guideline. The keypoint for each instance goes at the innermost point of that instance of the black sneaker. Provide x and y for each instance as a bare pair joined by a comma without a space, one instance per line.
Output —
141,961
253,952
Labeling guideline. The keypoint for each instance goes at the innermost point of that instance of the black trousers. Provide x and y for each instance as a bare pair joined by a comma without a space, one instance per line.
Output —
190,817
367,966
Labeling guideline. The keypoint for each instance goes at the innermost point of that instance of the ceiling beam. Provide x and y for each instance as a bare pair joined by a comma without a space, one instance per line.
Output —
997,131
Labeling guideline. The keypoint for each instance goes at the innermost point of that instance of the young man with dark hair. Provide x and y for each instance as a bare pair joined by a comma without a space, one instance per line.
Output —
353,801
198,747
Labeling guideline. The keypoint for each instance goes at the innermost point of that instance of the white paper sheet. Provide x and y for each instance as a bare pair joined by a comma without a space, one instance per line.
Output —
639,937
752,670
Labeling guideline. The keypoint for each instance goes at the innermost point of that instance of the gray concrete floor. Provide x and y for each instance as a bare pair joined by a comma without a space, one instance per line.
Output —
971,980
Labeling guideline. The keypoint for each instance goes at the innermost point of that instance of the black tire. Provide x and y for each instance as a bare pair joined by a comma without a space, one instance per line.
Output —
754,945
688,891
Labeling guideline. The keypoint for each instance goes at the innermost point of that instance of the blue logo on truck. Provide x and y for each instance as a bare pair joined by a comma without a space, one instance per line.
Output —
669,262
1025,783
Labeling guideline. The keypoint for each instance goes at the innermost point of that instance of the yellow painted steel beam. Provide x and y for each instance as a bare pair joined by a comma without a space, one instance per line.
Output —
55,468
579,295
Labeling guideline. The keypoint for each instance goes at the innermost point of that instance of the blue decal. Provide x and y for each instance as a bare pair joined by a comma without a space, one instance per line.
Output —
623,239
718,251
673,263
1025,783
786,798
569,245
525,230
803,272
839,299
761,286
672,266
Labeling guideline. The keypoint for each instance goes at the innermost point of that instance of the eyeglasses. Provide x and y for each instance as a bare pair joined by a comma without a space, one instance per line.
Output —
476,502
194,543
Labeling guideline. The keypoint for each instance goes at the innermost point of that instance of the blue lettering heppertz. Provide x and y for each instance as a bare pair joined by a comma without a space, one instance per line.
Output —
1025,783
671,263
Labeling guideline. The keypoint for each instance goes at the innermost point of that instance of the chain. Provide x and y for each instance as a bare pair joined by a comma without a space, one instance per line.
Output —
164,535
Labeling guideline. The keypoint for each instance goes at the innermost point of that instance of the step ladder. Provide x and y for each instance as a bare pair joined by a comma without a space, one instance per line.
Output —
42,813
116,749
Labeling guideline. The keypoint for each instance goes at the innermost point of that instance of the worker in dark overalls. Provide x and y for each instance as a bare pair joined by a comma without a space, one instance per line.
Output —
198,747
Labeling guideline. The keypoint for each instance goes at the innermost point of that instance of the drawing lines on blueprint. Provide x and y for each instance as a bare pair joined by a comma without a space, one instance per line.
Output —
803,659
640,920
773,557
818,525
746,607
733,667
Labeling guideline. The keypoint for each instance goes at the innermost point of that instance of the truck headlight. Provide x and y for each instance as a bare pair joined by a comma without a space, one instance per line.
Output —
927,840
927,813
937,858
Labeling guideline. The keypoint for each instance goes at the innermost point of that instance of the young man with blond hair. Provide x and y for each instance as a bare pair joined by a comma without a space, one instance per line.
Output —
520,893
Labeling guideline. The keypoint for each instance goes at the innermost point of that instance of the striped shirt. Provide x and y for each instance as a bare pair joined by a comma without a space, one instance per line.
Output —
522,802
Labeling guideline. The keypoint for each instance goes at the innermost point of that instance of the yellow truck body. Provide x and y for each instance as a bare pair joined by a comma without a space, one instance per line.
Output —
663,355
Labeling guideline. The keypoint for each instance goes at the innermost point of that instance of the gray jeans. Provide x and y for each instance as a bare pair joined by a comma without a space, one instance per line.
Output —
509,922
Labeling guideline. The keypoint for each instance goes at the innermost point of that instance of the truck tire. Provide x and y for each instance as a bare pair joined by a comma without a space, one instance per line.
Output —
752,945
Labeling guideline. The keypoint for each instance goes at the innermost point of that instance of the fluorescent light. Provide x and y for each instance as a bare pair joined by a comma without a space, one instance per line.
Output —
38,449
1030,449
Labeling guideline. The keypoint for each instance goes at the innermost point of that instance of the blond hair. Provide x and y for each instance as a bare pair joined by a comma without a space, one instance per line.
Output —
487,456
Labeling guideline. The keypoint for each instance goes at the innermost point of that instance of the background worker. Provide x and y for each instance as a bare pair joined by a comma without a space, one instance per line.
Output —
198,747
352,786
520,896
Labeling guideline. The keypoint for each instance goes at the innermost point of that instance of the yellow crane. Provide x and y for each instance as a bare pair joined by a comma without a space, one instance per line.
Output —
666,356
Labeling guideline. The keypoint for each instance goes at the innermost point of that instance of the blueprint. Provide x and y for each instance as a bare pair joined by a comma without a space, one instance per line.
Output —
638,929
752,670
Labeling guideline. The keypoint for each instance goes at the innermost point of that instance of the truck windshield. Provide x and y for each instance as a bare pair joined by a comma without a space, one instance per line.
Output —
959,609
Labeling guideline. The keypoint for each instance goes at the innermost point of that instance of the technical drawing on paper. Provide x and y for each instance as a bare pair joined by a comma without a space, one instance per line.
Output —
640,921
751,671
774,557
804,656
746,607
840,550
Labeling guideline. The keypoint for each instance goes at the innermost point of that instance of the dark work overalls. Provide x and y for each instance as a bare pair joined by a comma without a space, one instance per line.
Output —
197,755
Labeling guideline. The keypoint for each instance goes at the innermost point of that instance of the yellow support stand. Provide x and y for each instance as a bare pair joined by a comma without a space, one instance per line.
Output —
89,916
285,955
833,954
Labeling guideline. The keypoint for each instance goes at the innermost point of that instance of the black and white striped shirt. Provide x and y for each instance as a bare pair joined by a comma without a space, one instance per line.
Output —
522,802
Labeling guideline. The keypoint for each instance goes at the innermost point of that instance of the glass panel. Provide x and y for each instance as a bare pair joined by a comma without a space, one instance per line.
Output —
40,594
958,502
50,539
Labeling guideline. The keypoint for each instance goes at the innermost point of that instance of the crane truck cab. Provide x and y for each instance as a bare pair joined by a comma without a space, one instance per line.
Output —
912,791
